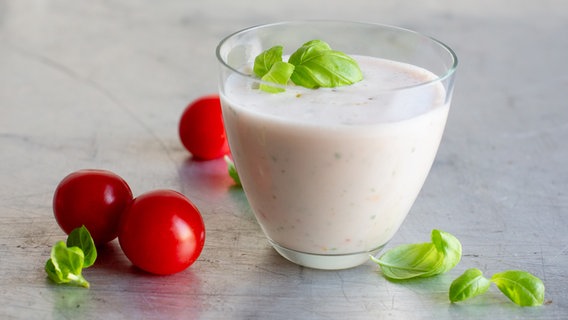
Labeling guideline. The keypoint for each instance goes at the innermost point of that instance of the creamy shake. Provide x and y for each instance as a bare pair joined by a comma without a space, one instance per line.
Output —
334,172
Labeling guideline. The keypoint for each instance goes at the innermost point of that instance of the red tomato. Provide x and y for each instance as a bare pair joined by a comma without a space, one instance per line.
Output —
94,198
201,128
162,232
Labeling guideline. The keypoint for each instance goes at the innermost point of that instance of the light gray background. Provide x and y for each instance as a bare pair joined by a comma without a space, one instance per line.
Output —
102,84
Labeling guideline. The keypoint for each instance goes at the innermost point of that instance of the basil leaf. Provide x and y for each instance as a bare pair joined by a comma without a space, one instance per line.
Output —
450,247
264,61
521,287
279,73
410,261
81,238
319,66
470,284
232,170
422,259
308,49
65,265
53,273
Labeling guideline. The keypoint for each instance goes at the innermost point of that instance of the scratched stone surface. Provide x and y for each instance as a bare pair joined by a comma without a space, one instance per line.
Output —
102,84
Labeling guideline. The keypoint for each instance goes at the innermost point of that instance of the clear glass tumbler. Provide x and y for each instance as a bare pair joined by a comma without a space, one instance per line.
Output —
331,173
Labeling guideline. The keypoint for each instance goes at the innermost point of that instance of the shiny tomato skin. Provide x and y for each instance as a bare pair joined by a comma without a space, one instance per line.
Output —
162,232
93,198
201,128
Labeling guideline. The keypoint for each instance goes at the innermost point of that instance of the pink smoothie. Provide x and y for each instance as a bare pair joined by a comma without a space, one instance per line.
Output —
336,171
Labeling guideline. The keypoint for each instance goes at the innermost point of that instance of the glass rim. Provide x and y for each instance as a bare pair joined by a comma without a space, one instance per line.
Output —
439,78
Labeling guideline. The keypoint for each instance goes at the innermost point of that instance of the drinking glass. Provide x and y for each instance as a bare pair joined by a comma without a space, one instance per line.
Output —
331,179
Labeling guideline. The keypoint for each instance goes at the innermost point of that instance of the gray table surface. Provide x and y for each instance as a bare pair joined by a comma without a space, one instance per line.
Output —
101,84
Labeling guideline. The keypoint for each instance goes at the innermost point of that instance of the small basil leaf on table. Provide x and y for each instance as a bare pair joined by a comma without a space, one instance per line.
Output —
421,259
65,265
470,284
81,238
521,287
451,248
232,170
410,261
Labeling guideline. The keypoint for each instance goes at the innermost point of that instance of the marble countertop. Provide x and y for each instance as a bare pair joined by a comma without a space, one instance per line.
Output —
102,84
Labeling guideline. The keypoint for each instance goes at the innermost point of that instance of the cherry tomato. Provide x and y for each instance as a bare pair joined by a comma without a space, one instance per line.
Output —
162,232
201,128
93,198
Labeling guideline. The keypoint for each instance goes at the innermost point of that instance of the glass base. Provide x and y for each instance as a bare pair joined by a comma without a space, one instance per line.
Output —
325,261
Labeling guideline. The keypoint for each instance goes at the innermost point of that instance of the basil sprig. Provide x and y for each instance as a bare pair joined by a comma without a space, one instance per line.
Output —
312,66
68,259
521,287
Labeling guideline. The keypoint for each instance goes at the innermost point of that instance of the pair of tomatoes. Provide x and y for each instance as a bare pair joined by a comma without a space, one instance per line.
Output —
160,231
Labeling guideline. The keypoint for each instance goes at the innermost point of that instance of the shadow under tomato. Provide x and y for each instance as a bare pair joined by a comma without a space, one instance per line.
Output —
111,258
168,296
207,183
207,179
156,296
